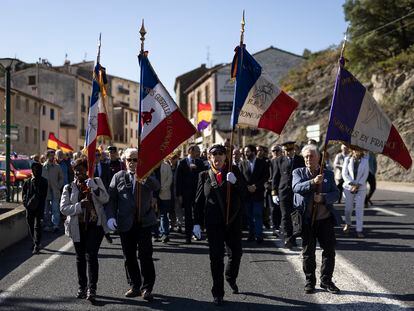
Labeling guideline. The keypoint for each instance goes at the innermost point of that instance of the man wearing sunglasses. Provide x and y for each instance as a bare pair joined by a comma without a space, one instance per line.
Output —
134,223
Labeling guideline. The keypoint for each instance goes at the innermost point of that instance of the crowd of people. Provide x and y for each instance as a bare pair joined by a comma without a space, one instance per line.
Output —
202,194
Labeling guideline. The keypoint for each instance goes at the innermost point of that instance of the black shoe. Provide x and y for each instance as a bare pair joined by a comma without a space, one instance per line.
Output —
330,287
309,288
91,295
108,238
218,301
147,295
288,244
294,244
36,250
133,293
165,239
187,240
235,288
259,240
81,294
250,238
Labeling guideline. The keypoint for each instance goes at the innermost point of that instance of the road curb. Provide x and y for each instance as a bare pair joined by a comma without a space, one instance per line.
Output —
395,186
13,227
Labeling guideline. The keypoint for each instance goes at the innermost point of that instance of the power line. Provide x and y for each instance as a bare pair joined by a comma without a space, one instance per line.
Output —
383,26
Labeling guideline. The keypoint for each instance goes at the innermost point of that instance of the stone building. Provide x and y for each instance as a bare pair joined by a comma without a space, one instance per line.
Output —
32,119
125,95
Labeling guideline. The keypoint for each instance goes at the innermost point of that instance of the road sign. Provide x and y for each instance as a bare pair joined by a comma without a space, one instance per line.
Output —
313,132
312,128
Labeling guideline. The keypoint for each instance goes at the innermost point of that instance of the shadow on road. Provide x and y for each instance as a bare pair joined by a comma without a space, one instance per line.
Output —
174,303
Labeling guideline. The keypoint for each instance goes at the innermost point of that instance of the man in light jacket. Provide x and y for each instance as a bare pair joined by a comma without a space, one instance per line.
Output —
134,224
54,175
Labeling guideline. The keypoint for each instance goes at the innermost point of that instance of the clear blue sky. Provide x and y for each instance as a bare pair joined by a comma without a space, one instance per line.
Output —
178,32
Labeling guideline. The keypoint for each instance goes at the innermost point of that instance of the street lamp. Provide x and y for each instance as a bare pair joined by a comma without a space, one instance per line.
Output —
8,121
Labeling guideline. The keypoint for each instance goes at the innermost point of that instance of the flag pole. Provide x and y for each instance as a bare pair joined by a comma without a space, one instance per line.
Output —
142,53
91,162
325,147
230,151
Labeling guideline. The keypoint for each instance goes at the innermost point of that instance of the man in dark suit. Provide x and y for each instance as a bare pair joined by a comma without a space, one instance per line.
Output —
186,185
256,173
134,224
102,169
282,187
275,203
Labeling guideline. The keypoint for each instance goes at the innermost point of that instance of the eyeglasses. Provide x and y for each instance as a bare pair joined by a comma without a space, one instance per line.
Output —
132,160
217,153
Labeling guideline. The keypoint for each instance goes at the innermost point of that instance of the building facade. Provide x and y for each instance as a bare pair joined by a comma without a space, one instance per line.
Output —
32,119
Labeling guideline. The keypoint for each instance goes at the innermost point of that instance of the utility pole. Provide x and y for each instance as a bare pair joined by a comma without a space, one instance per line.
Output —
8,106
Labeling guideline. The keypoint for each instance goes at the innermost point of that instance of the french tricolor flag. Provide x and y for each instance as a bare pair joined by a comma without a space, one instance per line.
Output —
162,125
357,119
258,102
98,124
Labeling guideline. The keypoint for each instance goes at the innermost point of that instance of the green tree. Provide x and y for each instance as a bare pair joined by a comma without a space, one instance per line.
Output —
374,37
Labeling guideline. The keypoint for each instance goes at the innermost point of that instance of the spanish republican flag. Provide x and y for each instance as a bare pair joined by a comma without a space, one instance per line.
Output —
203,116
54,143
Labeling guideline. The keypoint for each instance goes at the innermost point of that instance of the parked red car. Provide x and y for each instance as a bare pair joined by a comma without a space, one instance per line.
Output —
19,168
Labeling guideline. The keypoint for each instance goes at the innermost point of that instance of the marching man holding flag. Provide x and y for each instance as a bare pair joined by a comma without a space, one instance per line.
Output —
161,128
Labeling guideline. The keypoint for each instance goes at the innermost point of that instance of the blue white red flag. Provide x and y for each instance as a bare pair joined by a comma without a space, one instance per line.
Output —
162,125
258,102
357,120
98,124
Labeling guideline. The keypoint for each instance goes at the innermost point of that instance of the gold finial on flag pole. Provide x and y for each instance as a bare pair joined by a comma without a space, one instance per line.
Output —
143,32
344,43
243,22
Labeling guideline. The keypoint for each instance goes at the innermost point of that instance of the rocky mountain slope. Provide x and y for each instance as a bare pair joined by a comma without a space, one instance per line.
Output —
312,86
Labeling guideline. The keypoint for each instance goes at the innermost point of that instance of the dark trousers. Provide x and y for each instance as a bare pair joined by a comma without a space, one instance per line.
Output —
188,215
87,255
276,215
219,237
372,186
323,231
34,219
340,185
286,209
138,238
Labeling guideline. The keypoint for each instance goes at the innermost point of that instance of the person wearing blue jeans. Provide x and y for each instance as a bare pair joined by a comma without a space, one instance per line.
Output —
255,217
54,175
256,173
165,177
164,206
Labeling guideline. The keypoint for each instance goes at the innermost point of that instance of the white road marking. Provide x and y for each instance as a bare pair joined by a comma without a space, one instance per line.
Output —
385,211
356,287
39,269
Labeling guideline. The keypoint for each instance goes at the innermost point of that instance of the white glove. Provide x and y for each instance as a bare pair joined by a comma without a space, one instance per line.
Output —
111,223
275,199
231,178
91,184
197,231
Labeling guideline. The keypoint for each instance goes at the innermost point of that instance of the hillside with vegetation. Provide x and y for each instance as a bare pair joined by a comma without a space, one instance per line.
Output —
380,53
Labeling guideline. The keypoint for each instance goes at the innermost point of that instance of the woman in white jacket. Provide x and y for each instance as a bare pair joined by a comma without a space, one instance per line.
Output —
82,202
355,173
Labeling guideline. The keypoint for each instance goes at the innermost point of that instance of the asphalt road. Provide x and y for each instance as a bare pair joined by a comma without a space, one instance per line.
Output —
375,273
